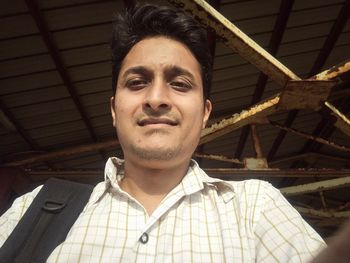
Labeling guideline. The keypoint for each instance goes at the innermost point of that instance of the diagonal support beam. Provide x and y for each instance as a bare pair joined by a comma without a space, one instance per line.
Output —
275,41
55,54
311,137
211,36
338,73
234,38
254,114
328,45
313,92
342,122
18,127
64,153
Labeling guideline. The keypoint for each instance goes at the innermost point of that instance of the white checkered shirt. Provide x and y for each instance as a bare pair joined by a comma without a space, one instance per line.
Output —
201,220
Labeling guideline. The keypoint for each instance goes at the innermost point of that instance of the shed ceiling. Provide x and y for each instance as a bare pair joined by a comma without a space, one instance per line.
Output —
55,84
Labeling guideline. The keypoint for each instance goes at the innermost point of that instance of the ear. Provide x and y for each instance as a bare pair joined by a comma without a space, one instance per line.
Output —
113,111
207,111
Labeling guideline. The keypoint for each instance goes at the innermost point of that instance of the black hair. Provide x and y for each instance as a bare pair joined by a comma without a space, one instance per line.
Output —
143,21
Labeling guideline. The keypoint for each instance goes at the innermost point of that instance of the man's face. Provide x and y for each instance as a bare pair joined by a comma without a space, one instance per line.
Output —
158,109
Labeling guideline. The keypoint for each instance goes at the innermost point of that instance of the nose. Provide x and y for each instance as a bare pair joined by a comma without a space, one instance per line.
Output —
157,97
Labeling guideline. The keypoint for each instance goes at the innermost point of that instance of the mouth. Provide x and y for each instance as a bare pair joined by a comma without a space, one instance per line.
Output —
155,121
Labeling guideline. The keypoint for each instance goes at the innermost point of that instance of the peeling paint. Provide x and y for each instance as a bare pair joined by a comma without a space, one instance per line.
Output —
245,117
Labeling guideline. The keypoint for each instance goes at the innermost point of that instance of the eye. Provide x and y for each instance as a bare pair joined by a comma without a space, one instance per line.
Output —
136,83
181,85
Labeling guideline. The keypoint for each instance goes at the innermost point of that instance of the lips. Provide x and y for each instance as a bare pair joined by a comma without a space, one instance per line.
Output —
150,121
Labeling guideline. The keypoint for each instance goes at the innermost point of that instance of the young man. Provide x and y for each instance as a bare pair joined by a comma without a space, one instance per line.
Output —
157,205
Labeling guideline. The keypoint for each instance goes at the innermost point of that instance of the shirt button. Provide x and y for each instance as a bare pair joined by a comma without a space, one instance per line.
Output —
144,238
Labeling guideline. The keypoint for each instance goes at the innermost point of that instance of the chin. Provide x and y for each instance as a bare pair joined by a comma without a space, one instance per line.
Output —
156,153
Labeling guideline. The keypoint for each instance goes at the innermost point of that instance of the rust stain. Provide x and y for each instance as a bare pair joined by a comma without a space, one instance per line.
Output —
218,158
246,115
334,71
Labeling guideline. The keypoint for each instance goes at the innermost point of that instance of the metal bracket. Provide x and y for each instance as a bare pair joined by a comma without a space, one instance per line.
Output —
305,94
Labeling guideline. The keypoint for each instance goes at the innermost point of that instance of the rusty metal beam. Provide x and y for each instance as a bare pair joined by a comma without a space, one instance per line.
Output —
64,153
56,57
217,158
337,72
305,94
316,187
323,214
311,137
272,48
314,92
307,156
254,114
256,141
318,64
224,173
340,73
237,40
342,122
211,36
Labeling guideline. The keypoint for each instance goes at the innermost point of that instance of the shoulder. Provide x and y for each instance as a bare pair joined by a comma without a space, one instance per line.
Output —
11,217
253,190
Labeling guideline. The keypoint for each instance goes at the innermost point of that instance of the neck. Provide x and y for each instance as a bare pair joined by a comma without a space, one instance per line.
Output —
150,185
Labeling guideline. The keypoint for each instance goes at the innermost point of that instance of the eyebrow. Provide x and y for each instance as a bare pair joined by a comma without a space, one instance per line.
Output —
173,71
170,72
137,70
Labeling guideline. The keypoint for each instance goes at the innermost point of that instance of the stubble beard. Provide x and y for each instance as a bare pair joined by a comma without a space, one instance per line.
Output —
161,154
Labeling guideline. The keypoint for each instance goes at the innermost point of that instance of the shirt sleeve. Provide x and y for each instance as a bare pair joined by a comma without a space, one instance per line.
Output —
282,235
11,217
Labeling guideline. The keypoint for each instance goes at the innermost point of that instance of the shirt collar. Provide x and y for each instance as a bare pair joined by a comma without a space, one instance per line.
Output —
194,180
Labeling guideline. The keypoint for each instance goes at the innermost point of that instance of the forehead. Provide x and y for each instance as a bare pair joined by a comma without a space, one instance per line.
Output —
159,52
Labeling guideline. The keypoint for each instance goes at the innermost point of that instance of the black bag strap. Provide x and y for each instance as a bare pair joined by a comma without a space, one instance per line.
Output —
47,221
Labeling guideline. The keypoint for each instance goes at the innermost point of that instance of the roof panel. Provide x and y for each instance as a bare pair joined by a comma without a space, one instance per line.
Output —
45,120
29,82
89,14
248,9
313,16
35,96
90,71
15,26
24,66
21,47
12,7
48,107
85,55
85,36
94,85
